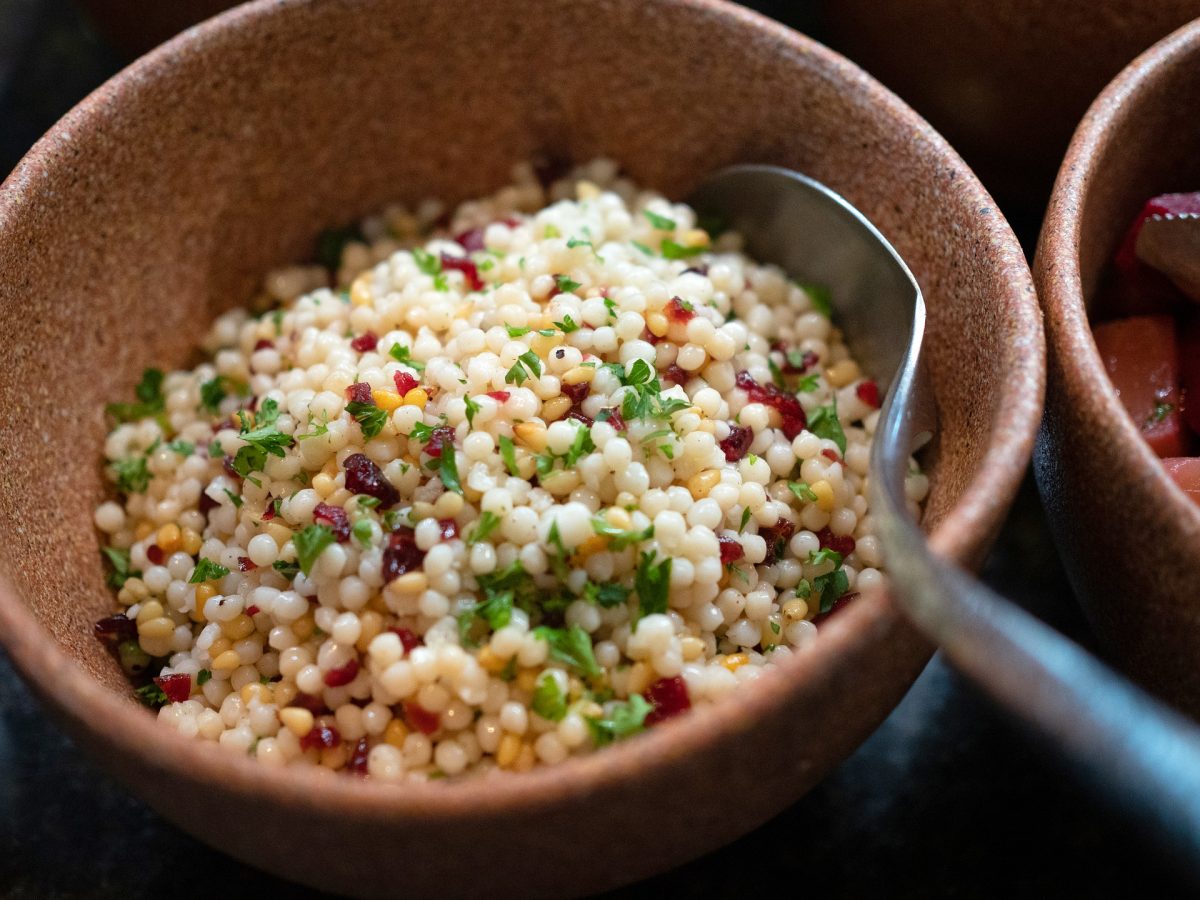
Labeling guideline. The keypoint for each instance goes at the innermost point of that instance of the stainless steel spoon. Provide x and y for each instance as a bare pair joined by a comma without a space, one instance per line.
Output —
1134,752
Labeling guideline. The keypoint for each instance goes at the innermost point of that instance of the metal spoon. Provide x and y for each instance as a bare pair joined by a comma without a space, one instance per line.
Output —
1131,750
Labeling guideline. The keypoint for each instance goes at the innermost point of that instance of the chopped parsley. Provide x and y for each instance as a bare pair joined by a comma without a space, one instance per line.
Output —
618,538
486,524
820,296
567,325
623,720
662,223
508,453
207,570
643,248
652,583
235,499
215,390
605,595
152,695
132,475
426,261
824,555
548,699
203,677
363,531
287,569
403,355
370,418
673,250
645,400
571,646
447,468
150,401
808,383
261,440
421,432
566,284
118,560
745,520
830,587
472,407
824,424
527,366
183,448
310,543
802,491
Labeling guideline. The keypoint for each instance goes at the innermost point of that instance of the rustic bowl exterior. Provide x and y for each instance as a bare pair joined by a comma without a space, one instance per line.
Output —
1004,80
1128,535
162,199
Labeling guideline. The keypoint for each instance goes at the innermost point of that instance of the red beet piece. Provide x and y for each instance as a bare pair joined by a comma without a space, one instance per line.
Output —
421,719
115,629
677,311
737,444
675,374
794,419
612,416
335,517
252,610
246,564
1141,357
364,477
360,392
731,549
837,605
358,758
409,639
499,396
576,392
441,437
669,697
177,687
322,736
264,344
402,554
469,269
342,675
470,240
405,382
838,543
868,393
154,553
777,537
1126,257
365,343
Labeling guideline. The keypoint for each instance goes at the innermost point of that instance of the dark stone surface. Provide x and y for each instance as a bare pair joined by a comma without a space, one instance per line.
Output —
946,799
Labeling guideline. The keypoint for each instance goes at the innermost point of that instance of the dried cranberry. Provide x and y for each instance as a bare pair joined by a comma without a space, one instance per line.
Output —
409,639
737,444
794,419
154,553
669,697
581,417
268,513
342,675
831,455
405,382
469,269
777,537
731,549
868,393
115,629
612,416
177,687
246,564
335,517
311,702
252,610
358,758
402,554
421,719
651,338
364,477
360,392
676,375
837,605
576,392
322,736
798,364
470,240
207,503
365,343
264,344
838,543
449,529
442,436
679,311
499,396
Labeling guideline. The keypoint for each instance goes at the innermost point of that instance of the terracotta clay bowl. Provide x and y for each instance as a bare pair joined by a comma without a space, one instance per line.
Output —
1128,535
1005,82
163,197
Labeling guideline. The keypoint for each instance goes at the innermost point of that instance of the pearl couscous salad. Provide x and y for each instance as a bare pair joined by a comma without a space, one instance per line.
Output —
531,478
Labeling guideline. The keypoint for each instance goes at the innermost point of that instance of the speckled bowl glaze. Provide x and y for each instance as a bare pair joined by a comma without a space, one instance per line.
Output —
162,199
1005,80
1129,536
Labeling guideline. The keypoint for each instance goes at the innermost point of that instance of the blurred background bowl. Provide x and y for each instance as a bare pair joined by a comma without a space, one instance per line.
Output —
162,199
1128,535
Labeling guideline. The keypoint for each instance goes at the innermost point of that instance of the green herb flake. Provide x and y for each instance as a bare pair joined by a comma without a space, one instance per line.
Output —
571,646
207,570
287,569
808,383
824,555
643,248
514,332
802,491
310,543
370,417
820,296
565,284
745,520
427,262
508,453
673,250
150,401
605,595
203,677
484,526
567,325
823,422
548,700
262,440
527,366
448,470
550,231
623,720
363,532
118,561
662,223
131,474
235,499
151,695
403,355
619,538
472,407
830,587
652,583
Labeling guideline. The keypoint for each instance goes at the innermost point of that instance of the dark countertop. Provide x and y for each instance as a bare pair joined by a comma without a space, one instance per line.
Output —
945,799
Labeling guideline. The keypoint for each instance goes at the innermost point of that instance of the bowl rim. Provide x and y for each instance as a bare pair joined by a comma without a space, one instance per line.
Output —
66,688
1057,268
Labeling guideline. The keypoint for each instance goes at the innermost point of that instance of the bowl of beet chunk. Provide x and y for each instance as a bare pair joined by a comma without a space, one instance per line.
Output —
1118,455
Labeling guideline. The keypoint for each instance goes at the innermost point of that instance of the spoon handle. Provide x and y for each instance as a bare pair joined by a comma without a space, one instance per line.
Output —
1131,750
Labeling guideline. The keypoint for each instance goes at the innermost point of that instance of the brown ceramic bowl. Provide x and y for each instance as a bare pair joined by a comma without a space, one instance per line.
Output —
162,198
1128,535
1005,80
